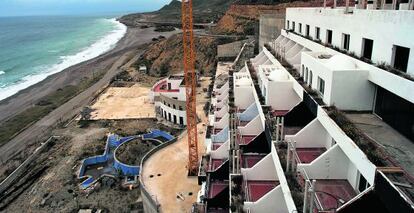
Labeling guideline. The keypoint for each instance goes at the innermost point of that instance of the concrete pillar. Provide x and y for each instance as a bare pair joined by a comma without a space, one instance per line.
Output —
346,6
288,157
305,197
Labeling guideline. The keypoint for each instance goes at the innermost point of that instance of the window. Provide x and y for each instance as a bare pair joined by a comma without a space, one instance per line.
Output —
345,41
287,25
329,36
363,184
307,30
181,120
169,117
306,75
318,33
303,70
173,106
180,108
175,119
400,57
321,85
367,46
165,114
293,26
300,27
310,78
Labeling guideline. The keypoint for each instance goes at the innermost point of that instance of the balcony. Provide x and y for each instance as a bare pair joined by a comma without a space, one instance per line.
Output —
256,189
249,160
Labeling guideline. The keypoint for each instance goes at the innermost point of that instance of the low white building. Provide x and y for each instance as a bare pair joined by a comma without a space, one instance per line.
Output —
169,98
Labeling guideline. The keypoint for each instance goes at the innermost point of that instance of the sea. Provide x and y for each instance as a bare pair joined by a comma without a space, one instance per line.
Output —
32,48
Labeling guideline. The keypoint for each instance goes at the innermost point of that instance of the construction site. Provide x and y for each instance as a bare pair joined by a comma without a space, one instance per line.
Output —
263,129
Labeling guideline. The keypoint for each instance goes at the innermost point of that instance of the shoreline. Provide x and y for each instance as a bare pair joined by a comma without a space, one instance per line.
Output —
101,46
108,65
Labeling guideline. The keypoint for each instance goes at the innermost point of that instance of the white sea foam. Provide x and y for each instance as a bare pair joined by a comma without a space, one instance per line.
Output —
98,48
2,72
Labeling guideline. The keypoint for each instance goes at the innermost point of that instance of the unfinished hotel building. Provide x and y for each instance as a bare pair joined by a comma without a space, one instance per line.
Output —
168,96
285,131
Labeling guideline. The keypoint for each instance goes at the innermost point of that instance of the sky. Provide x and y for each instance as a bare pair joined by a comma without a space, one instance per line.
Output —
75,7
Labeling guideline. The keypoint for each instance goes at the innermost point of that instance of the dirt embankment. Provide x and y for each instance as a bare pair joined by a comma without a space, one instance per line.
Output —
241,19
166,56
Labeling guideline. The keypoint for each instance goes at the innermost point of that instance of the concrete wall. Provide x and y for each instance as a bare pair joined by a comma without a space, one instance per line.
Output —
352,91
332,164
230,50
273,200
312,135
270,27
385,27
263,170
281,95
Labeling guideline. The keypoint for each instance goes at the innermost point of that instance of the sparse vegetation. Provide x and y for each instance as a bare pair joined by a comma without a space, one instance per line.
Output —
368,146
16,124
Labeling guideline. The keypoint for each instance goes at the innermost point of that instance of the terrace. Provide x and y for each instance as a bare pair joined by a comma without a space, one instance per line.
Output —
331,180
162,86
310,142
256,189
250,160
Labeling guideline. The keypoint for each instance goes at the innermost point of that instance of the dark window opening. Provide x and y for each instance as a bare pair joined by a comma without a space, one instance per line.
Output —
329,36
317,33
367,46
300,27
181,120
345,41
175,119
169,86
287,26
307,30
293,26
401,55
363,184
169,117
321,85
396,112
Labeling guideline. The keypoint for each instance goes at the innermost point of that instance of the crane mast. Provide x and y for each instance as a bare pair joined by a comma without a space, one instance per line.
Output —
190,85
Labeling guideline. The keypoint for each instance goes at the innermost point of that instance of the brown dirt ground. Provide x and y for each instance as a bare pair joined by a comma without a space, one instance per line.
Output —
168,167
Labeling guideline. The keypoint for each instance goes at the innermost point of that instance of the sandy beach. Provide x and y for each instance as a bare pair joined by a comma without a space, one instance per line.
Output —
110,63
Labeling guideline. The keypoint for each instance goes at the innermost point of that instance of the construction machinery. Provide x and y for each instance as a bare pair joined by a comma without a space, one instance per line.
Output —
190,85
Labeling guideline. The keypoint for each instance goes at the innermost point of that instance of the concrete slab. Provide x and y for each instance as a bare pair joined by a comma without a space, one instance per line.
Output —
123,103
397,145
165,173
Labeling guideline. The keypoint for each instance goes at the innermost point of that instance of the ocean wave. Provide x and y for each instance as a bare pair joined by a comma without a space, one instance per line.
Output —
2,72
100,47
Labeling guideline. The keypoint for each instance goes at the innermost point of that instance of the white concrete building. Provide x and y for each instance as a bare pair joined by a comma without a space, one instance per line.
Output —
267,156
382,36
168,96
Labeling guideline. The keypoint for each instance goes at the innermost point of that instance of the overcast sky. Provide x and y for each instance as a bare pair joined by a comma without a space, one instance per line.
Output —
67,7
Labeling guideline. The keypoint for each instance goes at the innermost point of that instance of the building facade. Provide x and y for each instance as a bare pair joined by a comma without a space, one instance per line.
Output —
168,96
275,142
